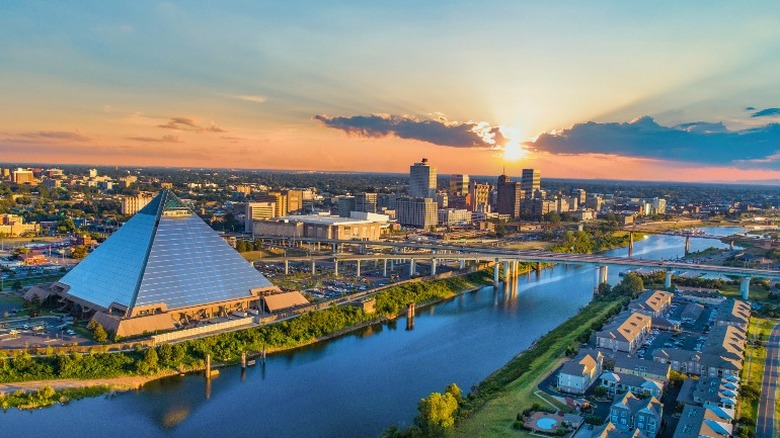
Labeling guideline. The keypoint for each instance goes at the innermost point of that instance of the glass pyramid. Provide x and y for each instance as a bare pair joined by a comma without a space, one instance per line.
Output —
164,255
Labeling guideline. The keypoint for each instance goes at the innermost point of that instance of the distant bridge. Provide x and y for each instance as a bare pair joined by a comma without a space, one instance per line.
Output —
510,258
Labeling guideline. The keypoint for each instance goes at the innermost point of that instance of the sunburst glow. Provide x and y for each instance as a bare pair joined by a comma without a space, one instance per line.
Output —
514,152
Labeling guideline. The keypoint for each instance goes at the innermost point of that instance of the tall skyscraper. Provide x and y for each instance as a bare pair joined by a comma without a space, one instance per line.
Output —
530,182
422,180
459,184
479,197
509,196
417,212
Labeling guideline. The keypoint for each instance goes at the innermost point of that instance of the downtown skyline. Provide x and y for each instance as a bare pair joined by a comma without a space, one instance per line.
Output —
660,91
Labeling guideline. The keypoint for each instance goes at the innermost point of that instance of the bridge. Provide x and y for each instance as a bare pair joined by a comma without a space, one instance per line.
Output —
509,258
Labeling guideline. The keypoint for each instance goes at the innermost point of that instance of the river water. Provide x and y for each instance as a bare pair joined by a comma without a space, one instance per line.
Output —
355,385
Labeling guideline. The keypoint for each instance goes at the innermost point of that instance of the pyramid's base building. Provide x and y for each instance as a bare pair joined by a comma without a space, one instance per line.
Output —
163,269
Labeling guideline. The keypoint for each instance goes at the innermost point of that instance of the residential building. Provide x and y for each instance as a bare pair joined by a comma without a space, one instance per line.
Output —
653,303
578,374
480,197
131,205
698,421
619,383
625,333
627,364
630,412
422,180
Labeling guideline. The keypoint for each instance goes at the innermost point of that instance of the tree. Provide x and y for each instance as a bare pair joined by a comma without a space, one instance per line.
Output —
17,285
553,218
633,283
455,391
437,414
79,252
604,289
98,332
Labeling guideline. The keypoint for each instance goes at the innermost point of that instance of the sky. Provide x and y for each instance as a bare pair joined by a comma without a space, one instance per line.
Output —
662,90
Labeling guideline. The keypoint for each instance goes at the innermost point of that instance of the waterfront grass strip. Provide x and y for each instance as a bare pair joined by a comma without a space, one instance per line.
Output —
759,330
491,411
48,396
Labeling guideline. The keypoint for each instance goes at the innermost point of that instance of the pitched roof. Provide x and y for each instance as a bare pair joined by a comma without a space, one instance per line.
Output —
626,327
581,364
164,256
284,300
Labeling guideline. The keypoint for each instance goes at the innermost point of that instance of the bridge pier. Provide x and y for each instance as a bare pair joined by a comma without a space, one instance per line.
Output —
687,244
731,245
507,274
668,280
392,264
462,264
433,266
495,274
384,268
313,267
335,247
335,267
744,287
286,267
602,273
412,268
630,243
358,268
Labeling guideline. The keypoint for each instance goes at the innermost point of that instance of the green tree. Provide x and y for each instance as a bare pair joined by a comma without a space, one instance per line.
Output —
455,391
79,252
98,332
437,414
632,284
604,289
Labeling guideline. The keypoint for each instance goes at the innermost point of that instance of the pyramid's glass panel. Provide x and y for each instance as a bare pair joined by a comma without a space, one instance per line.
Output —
190,264
110,274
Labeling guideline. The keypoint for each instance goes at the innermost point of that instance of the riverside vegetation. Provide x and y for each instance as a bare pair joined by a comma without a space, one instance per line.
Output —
226,347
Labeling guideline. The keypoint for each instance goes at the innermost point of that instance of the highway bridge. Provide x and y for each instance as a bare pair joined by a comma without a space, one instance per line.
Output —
462,253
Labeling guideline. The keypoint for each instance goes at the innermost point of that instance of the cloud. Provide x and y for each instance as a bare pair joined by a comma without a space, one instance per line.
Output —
187,124
254,98
56,136
163,139
697,142
766,112
440,131
750,108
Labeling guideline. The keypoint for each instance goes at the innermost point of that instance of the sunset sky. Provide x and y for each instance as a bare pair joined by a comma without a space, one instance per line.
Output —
659,90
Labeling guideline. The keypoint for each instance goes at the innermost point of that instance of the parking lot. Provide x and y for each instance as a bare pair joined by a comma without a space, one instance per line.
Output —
40,332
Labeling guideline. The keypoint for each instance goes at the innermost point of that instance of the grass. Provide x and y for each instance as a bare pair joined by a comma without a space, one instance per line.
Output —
47,396
755,358
757,292
528,245
254,256
510,389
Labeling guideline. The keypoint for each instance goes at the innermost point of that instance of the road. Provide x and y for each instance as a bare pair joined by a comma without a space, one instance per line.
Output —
766,421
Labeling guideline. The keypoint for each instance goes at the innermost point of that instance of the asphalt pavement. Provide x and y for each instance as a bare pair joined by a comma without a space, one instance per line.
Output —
766,421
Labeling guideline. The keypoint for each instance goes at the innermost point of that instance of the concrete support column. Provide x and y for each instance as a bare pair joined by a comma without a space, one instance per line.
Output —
506,270
357,269
495,273
384,268
433,266
668,280
313,267
392,264
687,244
744,287
286,267
412,267
630,243
517,268
336,267
603,271
462,264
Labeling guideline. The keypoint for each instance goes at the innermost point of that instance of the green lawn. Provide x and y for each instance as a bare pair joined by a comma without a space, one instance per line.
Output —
254,256
495,417
755,357
757,292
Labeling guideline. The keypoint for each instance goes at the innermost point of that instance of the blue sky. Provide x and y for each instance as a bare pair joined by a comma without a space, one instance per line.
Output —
97,82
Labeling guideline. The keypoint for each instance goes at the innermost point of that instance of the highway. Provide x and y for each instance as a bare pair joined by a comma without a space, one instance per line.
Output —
766,422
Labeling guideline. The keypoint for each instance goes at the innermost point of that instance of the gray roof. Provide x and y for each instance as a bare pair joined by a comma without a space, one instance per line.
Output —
165,254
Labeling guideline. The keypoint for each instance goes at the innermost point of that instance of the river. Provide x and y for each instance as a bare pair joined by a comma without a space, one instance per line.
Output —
355,385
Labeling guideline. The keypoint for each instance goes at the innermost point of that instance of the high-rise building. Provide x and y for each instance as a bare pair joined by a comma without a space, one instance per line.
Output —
244,188
509,196
366,202
92,173
344,205
658,206
459,184
582,196
530,182
257,211
294,200
479,197
422,180
417,212
279,200
133,204
54,173
23,176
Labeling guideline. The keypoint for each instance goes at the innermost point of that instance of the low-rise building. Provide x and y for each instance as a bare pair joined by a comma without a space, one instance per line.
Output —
625,333
619,383
630,412
320,227
698,421
578,374
652,302
643,368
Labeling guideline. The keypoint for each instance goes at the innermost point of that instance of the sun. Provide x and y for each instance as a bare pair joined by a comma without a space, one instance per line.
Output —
514,152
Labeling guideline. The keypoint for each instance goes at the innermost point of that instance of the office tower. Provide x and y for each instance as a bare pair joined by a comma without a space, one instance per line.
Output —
344,205
459,184
294,200
479,195
417,212
23,176
256,211
509,196
422,180
530,182
366,202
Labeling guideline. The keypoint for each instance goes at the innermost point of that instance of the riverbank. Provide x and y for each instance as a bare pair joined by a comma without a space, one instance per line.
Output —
492,408
134,369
